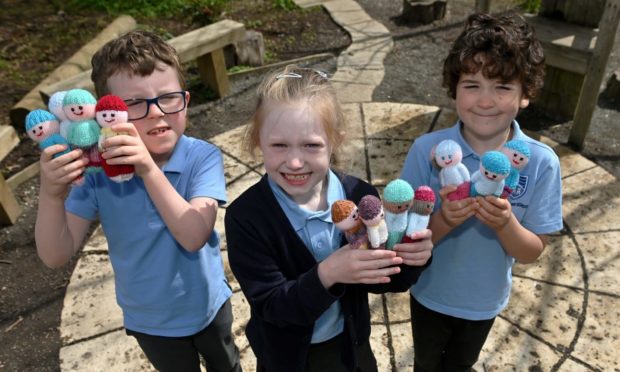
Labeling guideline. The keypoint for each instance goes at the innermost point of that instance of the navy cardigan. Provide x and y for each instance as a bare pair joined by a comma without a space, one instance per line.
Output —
278,276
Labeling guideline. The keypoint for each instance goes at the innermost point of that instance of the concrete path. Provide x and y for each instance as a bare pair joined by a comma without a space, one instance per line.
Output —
564,310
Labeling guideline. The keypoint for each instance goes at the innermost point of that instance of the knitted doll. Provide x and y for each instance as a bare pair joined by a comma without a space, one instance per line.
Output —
345,216
448,155
420,212
55,107
43,128
397,198
489,179
79,107
112,110
518,153
371,213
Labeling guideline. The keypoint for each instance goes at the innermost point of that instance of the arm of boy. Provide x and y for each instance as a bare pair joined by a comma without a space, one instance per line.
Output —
451,214
58,234
190,222
368,266
519,242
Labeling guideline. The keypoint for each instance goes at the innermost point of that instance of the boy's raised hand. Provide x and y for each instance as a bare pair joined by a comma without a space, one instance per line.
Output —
58,173
418,252
494,212
348,265
456,212
127,148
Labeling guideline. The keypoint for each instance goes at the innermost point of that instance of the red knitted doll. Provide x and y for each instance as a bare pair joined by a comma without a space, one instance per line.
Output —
112,110
420,211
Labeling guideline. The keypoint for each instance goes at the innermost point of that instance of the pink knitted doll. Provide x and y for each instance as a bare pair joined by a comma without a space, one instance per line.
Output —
420,212
112,110
371,213
345,216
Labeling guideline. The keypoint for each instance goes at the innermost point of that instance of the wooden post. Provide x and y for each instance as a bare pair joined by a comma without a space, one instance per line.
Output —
483,6
9,208
212,68
594,75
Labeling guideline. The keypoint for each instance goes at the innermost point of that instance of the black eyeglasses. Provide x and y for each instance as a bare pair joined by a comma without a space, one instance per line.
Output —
168,103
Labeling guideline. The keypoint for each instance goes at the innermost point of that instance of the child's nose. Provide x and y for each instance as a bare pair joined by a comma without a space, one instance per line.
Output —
155,111
486,100
295,160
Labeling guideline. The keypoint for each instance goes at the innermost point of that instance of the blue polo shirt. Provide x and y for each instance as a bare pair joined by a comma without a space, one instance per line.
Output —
162,289
471,274
322,238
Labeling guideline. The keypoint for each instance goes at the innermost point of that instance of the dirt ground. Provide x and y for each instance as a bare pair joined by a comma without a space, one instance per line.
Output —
31,295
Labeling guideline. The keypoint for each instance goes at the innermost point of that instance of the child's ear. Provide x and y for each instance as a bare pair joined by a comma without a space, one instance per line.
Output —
524,102
187,96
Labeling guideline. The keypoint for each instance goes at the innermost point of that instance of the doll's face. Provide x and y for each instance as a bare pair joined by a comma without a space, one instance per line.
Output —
397,207
517,159
490,175
79,111
350,221
375,220
43,130
107,118
446,157
422,207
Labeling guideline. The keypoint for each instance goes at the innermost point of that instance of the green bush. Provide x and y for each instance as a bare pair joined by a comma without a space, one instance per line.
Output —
148,8
284,4
531,6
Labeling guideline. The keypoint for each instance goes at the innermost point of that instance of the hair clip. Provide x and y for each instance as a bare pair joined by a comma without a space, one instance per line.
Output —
288,75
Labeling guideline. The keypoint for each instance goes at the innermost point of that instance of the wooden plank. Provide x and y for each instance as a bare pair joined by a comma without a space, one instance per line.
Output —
8,140
594,76
189,47
24,175
9,208
212,68
77,63
567,46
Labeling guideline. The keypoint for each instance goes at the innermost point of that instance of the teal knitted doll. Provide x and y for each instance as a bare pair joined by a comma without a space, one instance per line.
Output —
43,127
489,179
518,153
397,198
79,106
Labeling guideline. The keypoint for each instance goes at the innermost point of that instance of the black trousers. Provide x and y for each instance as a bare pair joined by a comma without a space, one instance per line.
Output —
215,343
445,343
326,357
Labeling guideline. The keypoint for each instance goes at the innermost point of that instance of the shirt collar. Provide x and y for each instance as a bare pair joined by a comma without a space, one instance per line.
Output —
297,215
456,135
177,161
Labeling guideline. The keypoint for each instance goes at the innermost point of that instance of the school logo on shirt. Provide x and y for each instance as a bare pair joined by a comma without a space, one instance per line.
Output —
520,189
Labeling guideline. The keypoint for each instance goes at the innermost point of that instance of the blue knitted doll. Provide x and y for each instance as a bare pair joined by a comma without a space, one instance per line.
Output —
518,153
43,127
397,199
79,107
489,179
448,155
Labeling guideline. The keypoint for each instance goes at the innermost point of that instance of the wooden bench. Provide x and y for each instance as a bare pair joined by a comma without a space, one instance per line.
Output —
583,51
205,45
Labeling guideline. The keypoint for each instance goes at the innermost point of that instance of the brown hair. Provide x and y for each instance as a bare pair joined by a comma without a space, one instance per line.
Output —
503,47
137,53
296,84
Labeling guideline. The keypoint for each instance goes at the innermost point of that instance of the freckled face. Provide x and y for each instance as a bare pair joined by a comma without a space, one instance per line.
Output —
295,149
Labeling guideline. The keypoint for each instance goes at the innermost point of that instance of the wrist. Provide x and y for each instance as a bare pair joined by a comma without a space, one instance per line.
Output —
324,277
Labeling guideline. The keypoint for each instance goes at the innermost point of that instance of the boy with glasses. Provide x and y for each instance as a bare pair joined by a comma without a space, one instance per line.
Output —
169,277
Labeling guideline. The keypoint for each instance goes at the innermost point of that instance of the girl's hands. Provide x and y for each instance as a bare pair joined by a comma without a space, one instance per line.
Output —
416,253
368,266
58,173
127,148
494,212
456,212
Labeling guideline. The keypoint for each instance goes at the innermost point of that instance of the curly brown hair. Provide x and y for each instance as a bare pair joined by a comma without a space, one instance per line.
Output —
137,53
503,47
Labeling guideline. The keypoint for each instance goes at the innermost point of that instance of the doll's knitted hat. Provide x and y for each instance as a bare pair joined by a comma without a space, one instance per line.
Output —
519,146
110,103
496,162
38,116
398,191
78,96
341,209
424,193
370,206
55,104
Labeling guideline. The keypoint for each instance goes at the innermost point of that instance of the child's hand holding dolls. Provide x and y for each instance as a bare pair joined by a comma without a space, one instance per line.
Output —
456,212
494,212
418,252
58,172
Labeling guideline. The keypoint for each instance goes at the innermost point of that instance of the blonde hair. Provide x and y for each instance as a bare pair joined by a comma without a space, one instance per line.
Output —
295,84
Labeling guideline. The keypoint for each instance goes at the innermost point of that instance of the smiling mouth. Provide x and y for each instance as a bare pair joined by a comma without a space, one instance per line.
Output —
515,162
296,177
158,131
109,121
448,162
